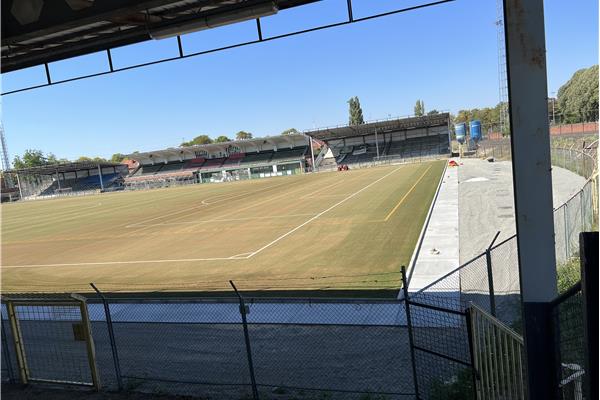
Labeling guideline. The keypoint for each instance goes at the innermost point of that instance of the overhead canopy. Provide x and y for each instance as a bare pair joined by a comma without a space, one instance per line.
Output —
243,146
385,126
36,32
52,169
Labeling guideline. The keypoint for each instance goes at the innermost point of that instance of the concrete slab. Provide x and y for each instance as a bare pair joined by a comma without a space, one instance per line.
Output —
439,252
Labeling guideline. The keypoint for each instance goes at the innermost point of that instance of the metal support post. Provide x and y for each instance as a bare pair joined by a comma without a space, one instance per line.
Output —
58,180
18,342
411,341
89,341
111,337
532,183
588,253
100,176
312,154
376,143
20,189
6,353
490,274
243,312
474,372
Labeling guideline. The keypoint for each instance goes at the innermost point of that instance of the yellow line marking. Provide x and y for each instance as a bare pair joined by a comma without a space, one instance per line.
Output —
406,194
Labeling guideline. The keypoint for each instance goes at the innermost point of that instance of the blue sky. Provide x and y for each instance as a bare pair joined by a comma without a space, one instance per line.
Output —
445,55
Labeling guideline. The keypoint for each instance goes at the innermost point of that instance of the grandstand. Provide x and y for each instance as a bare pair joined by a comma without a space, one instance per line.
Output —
68,178
393,140
217,162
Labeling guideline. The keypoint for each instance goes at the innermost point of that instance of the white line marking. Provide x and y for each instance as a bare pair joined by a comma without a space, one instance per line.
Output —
321,213
227,220
124,262
203,204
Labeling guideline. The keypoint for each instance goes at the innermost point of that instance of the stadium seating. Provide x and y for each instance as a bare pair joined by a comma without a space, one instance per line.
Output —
195,163
149,169
83,184
172,167
289,154
233,160
213,163
257,158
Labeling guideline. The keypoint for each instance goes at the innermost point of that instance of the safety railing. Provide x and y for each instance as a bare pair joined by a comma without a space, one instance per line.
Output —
497,357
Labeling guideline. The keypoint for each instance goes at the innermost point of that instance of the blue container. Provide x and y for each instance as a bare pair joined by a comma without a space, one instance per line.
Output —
461,132
475,129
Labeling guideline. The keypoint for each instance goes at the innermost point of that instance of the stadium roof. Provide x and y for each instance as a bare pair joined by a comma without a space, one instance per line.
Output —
52,169
43,31
246,145
383,126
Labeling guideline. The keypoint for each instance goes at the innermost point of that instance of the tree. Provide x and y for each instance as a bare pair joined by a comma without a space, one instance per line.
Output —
222,139
419,109
433,112
578,98
31,158
202,139
243,135
117,157
355,112
92,159
290,131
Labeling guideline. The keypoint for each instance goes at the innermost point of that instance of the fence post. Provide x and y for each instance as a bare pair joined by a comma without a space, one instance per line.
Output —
475,372
411,343
247,339
11,376
18,342
588,253
111,337
582,209
567,241
490,274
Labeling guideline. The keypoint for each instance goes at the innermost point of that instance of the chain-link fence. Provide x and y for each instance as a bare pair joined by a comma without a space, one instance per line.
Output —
226,348
569,343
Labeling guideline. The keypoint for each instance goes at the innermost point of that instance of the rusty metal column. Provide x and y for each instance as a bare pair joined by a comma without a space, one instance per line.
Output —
532,183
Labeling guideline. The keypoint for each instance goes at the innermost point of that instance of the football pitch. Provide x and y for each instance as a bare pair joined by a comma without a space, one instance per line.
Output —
331,233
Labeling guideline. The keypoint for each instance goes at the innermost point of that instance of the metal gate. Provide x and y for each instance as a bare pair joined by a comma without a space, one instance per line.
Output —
53,340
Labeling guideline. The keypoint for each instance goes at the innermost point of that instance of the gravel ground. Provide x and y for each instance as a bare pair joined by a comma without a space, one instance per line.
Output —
485,202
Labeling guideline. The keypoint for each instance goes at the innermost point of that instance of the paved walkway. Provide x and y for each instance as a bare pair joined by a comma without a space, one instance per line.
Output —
438,254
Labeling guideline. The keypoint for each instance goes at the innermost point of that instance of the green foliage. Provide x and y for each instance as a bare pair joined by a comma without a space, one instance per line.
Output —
290,131
222,139
355,112
419,109
460,388
243,135
433,112
568,274
90,159
35,158
578,98
117,157
202,139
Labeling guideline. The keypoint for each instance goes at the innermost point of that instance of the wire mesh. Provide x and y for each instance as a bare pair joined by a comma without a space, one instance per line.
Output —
561,245
507,290
441,379
474,283
167,344
7,363
569,336
366,351
54,345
